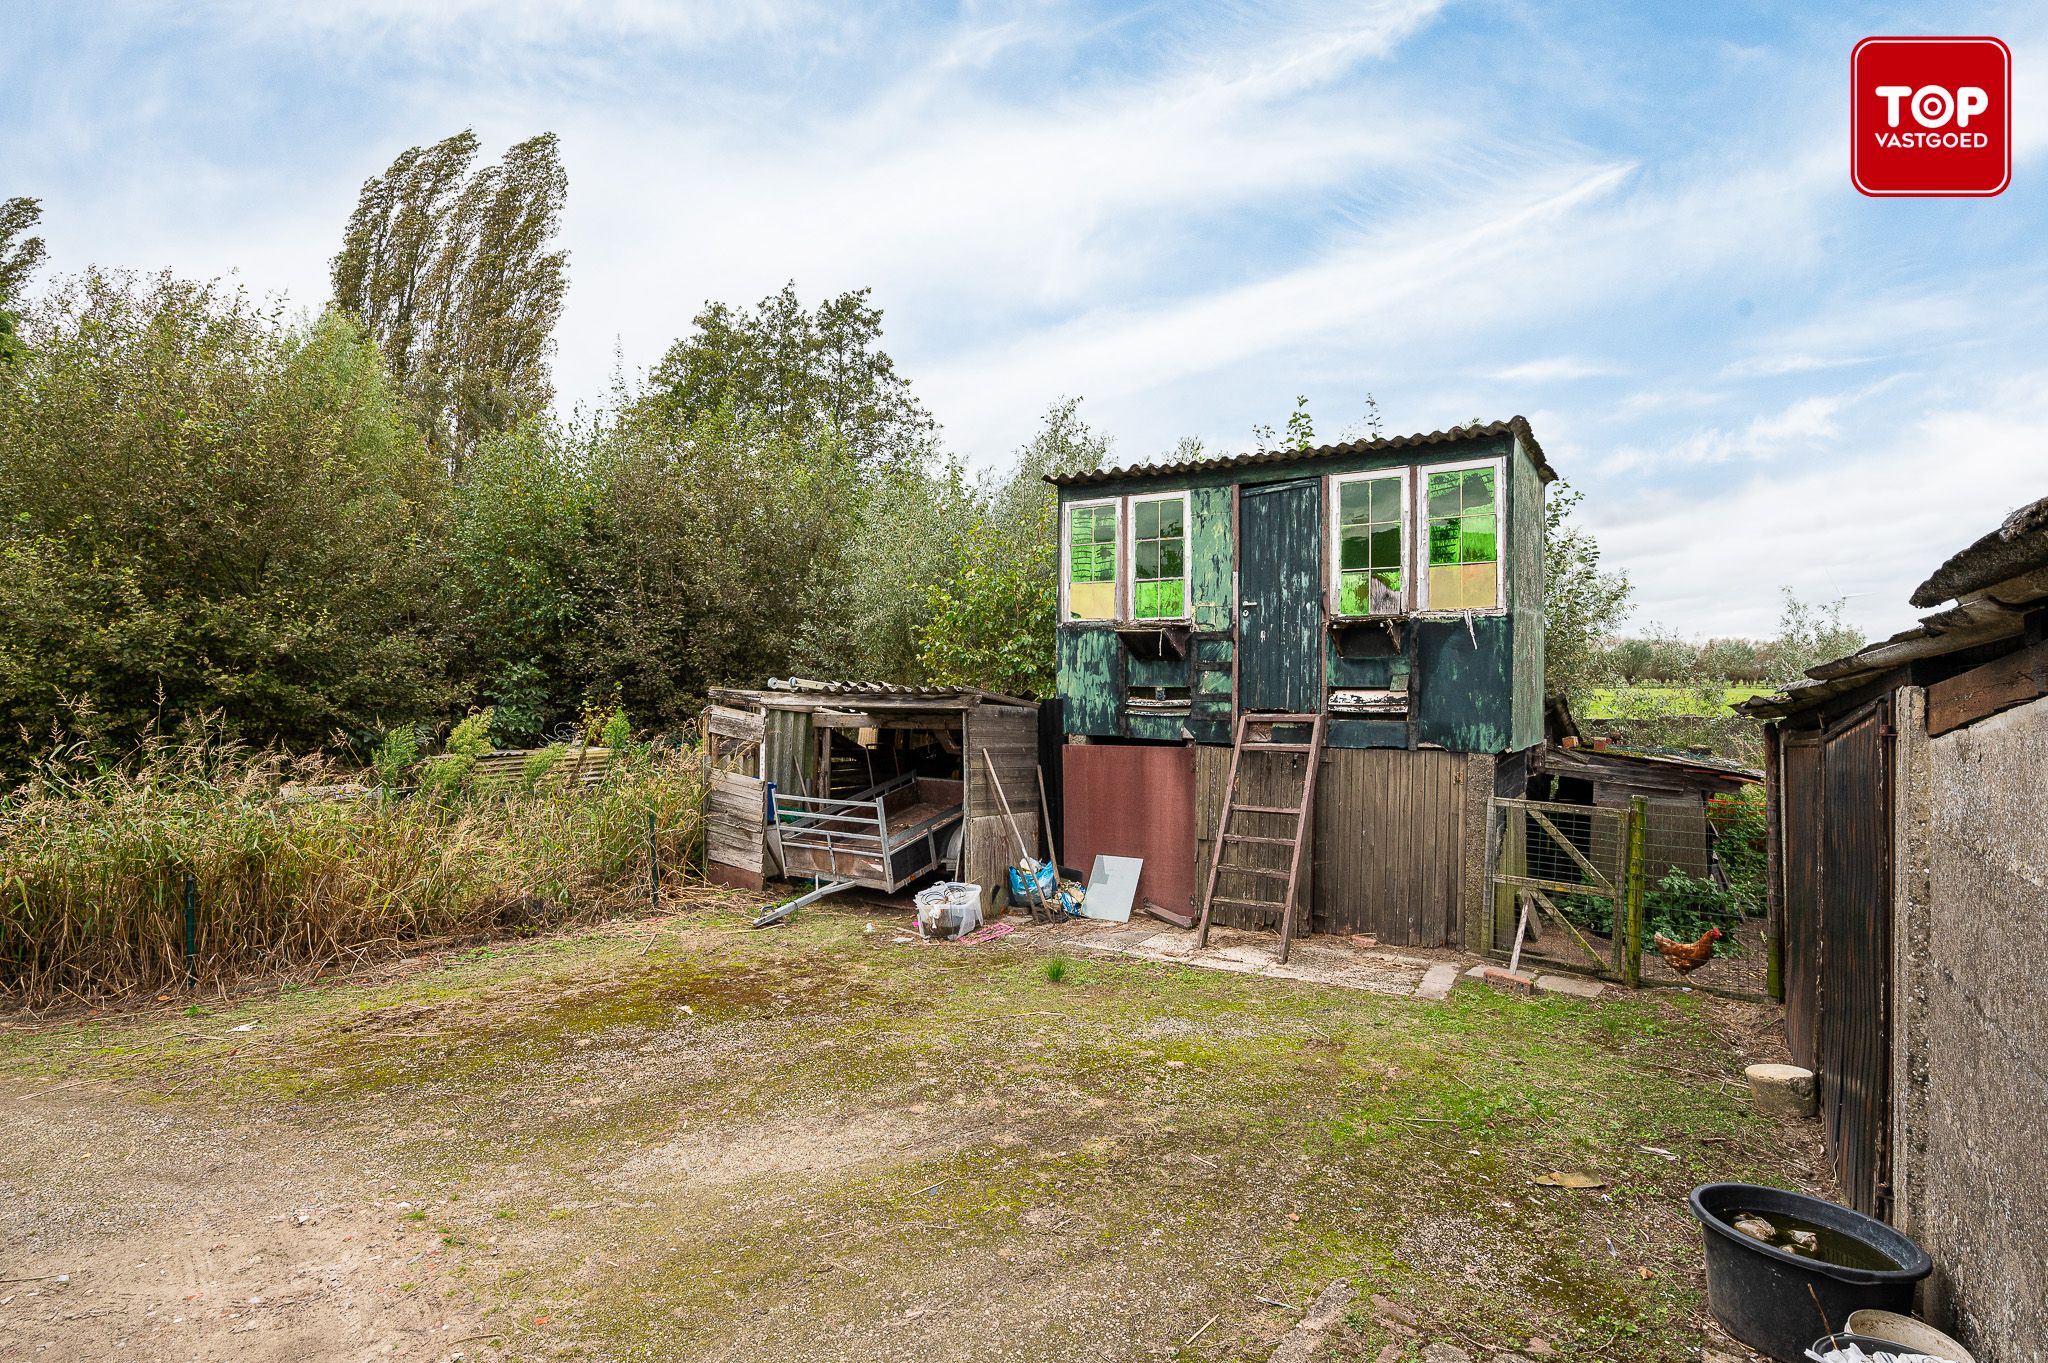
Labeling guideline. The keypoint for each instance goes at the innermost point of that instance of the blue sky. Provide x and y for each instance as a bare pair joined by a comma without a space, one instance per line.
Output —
1632,223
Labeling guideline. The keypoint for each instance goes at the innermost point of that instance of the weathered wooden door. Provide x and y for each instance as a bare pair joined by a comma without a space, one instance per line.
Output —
1855,1035
1280,555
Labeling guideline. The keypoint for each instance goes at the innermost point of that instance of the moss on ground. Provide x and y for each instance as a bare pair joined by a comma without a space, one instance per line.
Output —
701,1140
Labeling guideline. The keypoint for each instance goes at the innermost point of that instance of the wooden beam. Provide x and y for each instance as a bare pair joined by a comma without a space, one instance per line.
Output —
1982,692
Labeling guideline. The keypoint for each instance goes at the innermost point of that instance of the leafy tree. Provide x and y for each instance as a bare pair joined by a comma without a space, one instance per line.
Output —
518,531
994,613
19,257
1582,604
799,372
715,541
1808,635
450,270
211,510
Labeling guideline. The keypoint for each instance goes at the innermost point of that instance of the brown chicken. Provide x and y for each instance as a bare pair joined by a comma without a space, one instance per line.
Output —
1686,957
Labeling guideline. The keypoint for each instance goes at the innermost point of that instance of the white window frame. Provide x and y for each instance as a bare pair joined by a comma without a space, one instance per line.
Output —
1333,487
1129,563
1066,551
1420,555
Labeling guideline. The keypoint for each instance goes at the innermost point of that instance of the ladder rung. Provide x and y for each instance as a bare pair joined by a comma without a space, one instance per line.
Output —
1247,837
1258,717
1250,903
1258,871
1266,809
1254,745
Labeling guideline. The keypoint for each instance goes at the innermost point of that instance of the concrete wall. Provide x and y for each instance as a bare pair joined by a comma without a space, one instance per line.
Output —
1970,1058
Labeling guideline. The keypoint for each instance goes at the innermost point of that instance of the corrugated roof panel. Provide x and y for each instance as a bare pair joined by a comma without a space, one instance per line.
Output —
1515,426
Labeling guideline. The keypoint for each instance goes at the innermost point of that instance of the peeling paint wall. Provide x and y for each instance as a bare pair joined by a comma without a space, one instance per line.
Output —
1970,1060
1476,689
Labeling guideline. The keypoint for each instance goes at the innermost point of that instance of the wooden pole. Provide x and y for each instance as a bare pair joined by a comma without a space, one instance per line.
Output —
1632,929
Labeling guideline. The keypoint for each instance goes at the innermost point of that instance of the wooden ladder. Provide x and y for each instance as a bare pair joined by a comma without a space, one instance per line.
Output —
1255,735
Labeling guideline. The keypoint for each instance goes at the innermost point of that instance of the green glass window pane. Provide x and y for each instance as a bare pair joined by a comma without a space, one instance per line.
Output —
1146,514
1170,518
1353,595
1172,558
1386,547
1445,495
1479,490
1170,604
1148,560
1354,503
1478,538
1105,525
1386,499
1354,552
1143,598
1390,578
1443,542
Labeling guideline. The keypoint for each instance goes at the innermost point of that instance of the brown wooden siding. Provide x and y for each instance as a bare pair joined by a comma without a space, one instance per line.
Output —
1799,861
1009,733
1388,845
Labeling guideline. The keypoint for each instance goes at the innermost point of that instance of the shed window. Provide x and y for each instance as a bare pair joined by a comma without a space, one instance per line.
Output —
1463,511
1159,557
1371,512
1091,561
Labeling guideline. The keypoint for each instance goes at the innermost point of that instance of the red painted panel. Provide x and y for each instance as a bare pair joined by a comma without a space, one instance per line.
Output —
1133,801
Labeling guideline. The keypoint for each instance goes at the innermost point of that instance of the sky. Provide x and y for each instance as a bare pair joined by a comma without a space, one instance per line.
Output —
1632,223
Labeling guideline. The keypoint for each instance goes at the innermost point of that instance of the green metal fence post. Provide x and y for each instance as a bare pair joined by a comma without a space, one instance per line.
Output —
1632,931
653,865
191,929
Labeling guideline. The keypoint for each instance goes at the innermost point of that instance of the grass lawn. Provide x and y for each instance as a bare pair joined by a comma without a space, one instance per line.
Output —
1604,702
688,1140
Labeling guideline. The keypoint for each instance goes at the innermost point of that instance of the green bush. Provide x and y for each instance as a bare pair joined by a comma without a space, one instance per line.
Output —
447,774
1738,822
1682,907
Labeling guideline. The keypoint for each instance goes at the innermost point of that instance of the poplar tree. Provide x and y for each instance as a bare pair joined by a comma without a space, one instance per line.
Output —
451,270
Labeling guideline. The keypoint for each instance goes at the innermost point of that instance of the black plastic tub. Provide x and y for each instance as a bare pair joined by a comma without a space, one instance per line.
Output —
1777,1302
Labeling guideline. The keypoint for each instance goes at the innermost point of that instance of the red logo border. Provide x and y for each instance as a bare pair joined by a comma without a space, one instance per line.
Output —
1856,132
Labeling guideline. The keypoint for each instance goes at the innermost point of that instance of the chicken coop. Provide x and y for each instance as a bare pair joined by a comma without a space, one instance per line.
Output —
874,784
1291,680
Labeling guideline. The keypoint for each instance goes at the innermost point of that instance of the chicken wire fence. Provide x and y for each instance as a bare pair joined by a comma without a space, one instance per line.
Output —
1653,892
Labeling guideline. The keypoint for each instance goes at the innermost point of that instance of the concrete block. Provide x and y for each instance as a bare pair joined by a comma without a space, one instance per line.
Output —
1508,982
1437,981
1574,985
1785,1092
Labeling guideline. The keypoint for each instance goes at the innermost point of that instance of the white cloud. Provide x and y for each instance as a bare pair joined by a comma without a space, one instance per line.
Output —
1556,369
1867,523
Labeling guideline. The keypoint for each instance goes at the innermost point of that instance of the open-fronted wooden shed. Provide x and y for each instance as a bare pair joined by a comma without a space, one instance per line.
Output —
875,783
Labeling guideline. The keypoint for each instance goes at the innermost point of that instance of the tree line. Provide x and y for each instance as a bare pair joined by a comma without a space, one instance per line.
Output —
313,531
316,530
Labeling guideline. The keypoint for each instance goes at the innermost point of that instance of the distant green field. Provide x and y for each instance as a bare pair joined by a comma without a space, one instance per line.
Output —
1670,700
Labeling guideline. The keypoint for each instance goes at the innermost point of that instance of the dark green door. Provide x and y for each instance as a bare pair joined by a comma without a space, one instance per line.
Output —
1280,615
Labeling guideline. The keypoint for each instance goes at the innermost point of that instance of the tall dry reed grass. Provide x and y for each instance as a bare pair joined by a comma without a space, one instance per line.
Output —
93,866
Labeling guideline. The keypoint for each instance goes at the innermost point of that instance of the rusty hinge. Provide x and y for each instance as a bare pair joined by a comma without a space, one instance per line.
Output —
1887,731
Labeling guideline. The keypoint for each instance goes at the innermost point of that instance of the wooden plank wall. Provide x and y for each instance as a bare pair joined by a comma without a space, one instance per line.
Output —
1388,847
735,828
1010,734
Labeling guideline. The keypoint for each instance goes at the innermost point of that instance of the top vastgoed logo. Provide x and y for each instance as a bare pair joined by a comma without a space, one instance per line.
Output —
1930,117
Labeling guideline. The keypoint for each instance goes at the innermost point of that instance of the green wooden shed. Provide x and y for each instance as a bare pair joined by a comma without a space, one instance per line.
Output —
1392,586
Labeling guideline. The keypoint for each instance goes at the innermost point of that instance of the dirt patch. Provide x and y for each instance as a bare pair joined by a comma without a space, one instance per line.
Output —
145,1237
796,1147
696,1141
